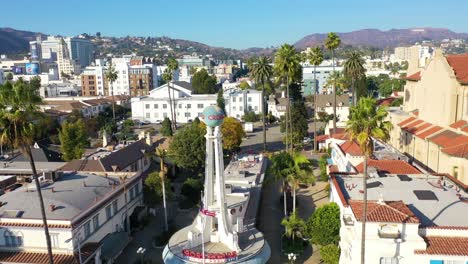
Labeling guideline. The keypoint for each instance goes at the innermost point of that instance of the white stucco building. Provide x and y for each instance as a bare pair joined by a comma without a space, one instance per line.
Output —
188,106
82,211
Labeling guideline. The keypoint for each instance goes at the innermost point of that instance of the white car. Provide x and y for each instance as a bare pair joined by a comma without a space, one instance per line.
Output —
306,140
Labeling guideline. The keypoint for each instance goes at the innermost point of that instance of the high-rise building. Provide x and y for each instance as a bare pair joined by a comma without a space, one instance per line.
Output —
66,64
141,80
93,81
79,49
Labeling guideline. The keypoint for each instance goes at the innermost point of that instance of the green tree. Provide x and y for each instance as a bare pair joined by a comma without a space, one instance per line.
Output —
331,43
330,254
191,189
172,65
354,70
203,83
323,226
315,57
9,76
337,79
299,128
187,149
162,154
281,166
299,173
262,72
127,129
18,108
73,140
111,77
287,68
367,121
244,85
220,100
233,133
294,226
250,117
45,127
155,188
166,127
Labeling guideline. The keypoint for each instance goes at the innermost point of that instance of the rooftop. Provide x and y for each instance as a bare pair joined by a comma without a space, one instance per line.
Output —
389,211
389,167
71,194
459,64
414,77
326,100
442,245
444,210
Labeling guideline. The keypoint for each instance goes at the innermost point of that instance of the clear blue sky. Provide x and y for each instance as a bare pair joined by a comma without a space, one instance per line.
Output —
235,23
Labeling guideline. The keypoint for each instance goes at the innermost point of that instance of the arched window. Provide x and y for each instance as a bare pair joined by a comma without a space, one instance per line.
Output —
13,239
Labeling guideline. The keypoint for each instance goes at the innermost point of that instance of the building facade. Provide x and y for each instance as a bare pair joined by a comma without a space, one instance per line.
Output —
322,72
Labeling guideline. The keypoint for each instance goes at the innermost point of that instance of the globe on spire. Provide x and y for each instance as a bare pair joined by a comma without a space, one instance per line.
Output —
213,116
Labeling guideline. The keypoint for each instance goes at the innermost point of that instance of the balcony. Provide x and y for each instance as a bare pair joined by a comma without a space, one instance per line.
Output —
348,220
390,234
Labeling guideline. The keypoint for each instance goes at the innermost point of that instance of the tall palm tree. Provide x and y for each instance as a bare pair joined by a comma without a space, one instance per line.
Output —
315,57
18,108
294,226
367,122
331,43
354,70
287,65
281,166
299,173
111,77
162,154
261,71
172,65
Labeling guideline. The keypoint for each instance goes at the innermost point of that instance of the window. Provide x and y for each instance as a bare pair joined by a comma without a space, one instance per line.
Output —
13,239
147,115
164,106
137,188
156,115
87,229
189,106
180,106
240,99
388,260
164,115
240,108
96,222
147,106
455,172
108,212
256,108
249,99
234,99
200,114
54,239
187,114
200,106
155,106
234,108
132,194
115,205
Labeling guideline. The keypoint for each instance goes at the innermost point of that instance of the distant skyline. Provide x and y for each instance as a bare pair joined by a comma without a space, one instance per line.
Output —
240,24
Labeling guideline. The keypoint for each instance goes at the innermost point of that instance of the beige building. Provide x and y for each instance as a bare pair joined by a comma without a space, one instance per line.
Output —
432,127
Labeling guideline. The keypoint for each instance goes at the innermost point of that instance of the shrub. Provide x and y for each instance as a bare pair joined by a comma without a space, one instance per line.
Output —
323,227
250,117
330,254
191,189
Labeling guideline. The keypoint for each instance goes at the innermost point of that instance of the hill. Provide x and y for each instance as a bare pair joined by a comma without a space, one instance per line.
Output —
384,39
15,41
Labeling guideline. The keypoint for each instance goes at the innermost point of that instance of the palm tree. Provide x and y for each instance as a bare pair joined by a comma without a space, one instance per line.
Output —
261,71
299,173
18,108
172,65
367,122
315,57
354,70
294,226
281,166
332,42
111,76
162,154
287,65
336,79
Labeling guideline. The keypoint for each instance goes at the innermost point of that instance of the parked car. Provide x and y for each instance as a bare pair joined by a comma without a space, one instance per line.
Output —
306,140
158,121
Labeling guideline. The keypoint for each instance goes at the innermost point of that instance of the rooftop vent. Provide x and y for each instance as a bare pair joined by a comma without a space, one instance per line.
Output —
374,184
403,177
425,195
12,213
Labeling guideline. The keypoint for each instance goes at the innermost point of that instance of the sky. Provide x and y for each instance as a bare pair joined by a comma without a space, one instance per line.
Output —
232,24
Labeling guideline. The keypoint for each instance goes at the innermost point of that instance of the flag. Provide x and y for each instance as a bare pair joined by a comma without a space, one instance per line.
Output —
206,211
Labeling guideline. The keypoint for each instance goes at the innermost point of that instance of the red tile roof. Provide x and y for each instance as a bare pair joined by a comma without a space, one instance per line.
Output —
414,130
352,148
459,64
386,101
412,124
465,129
460,151
322,138
406,121
459,124
388,211
449,138
389,166
448,246
414,77
429,132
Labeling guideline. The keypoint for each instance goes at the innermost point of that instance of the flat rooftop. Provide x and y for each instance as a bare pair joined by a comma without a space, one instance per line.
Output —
438,205
13,167
71,195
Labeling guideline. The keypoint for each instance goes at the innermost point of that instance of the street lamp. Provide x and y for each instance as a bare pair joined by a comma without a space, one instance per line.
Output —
141,251
291,257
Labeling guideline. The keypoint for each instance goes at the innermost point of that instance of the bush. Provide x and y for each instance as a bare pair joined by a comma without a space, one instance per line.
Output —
250,117
323,227
330,254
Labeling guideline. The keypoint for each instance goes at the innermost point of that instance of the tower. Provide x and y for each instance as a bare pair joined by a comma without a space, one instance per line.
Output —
212,221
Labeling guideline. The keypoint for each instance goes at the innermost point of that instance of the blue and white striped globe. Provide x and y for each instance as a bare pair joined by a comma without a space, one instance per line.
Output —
213,116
